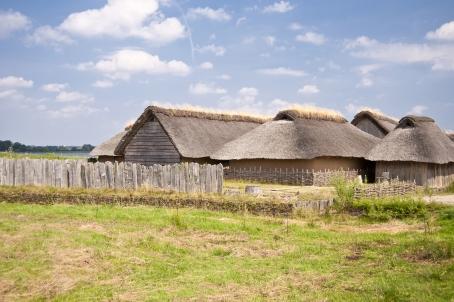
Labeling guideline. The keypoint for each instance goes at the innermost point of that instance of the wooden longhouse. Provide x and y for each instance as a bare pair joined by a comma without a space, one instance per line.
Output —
416,150
106,151
167,136
374,123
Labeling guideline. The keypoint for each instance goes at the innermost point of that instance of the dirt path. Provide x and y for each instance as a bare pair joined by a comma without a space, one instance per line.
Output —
445,199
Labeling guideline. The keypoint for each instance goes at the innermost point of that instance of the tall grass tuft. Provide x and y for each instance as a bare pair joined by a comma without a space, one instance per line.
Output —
345,191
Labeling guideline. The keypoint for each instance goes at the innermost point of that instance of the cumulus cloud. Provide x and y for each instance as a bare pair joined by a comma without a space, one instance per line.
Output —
11,21
126,62
439,56
309,89
282,71
295,26
443,33
102,84
72,111
209,13
224,76
124,19
218,51
269,40
278,7
312,38
248,94
206,88
73,96
10,93
54,87
240,21
49,35
417,110
365,72
15,82
206,65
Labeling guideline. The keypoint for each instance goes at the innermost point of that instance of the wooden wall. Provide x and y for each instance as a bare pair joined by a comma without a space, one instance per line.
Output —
431,175
151,145
370,127
185,177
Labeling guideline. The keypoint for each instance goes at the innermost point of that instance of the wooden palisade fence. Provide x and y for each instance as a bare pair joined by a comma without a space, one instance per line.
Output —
184,177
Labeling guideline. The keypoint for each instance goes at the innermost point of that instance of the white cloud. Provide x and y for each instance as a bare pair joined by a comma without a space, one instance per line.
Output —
295,26
282,71
123,19
15,82
49,35
269,40
72,111
73,96
218,51
206,65
8,94
365,72
54,87
443,33
312,38
440,57
102,84
11,21
205,88
207,12
309,89
248,94
417,110
279,7
240,21
225,77
126,62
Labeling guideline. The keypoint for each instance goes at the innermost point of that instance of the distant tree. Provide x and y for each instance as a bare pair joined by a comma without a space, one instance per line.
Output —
5,145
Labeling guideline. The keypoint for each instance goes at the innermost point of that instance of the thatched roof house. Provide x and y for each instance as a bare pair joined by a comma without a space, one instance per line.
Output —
166,136
416,150
106,150
306,138
374,122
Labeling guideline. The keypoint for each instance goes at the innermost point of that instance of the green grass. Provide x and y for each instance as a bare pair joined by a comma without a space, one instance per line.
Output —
96,253
15,155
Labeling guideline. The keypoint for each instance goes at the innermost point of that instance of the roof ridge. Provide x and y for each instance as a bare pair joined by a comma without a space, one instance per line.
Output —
311,113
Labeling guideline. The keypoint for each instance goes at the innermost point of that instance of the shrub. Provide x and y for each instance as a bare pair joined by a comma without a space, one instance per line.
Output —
345,191
391,207
429,249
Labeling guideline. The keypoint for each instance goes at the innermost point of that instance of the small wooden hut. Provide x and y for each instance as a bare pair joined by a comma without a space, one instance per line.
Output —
106,150
167,136
374,123
300,138
416,150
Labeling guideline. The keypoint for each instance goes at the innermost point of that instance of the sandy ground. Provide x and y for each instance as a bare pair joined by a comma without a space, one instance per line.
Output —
445,199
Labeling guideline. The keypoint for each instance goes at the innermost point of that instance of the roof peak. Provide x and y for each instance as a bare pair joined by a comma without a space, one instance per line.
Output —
310,113
376,114
416,119
203,113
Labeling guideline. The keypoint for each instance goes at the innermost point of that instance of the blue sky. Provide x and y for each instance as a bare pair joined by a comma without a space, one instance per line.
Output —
75,72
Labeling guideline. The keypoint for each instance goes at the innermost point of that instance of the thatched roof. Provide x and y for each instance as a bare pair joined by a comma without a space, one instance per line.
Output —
451,136
107,148
298,135
415,139
385,123
195,134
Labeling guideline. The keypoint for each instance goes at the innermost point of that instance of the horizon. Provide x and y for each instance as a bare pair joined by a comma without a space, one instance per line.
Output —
77,73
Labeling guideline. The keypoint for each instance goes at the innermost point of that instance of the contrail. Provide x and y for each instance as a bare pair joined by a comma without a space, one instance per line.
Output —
183,16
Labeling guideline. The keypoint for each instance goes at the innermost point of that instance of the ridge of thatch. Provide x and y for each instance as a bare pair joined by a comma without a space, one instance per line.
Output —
195,134
107,148
415,139
374,114
310,113
209,114
451,135
299,138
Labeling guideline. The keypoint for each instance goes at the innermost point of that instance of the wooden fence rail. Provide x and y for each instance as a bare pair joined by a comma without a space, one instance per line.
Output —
184,177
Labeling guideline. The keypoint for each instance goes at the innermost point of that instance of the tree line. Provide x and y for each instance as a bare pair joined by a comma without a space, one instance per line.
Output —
18,147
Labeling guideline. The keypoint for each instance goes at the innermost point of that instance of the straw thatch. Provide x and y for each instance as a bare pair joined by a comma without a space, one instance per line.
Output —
451,136
195,134
415,139
107,148
296,135
383,123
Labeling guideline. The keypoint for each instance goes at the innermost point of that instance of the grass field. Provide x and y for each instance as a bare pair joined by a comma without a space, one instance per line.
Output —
15,155
98,253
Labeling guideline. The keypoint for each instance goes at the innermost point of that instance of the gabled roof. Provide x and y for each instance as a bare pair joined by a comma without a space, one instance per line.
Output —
385,123
195,134
107,148
296,134
415,139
